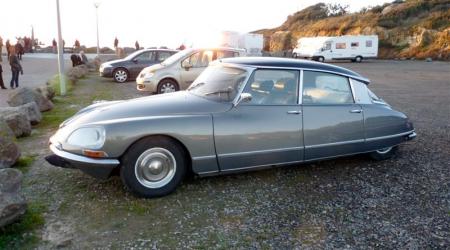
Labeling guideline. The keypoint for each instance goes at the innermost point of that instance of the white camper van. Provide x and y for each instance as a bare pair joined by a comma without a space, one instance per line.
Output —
354,48
251,43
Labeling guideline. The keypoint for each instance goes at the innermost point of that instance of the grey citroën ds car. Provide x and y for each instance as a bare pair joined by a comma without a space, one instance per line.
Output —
239,114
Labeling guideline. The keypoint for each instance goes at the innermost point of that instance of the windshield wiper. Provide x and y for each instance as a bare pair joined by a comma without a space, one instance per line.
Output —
226,91
196,85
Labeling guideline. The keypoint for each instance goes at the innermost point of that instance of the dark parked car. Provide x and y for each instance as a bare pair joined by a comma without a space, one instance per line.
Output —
129,67
239,114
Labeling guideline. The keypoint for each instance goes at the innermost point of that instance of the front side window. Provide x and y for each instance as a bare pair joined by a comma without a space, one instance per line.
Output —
146,56
273,87
341,45
325,88
219,83
327,46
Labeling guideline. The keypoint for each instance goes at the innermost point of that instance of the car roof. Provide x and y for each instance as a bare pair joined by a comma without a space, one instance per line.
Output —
292,63
169,50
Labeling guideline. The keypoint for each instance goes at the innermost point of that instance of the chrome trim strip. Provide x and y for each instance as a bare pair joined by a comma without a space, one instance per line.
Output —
352,89
82,159
260,151
208,173
363,79
390,136
261,166
334,144
199,158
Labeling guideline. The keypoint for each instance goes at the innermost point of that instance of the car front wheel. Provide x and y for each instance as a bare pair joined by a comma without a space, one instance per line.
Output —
120,75
153,167
167,86
384,153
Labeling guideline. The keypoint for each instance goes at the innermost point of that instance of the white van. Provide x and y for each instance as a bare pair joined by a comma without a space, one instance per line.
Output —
354,48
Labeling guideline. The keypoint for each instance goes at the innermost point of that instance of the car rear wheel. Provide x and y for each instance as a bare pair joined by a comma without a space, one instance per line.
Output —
167,86
384,153
120,75
153,167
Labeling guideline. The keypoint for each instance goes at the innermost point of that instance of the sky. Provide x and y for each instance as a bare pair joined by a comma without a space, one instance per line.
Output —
151,22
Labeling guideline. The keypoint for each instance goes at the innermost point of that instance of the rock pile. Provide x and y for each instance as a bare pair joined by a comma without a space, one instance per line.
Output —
12,203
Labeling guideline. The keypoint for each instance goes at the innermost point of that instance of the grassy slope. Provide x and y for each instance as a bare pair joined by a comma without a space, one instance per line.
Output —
397,29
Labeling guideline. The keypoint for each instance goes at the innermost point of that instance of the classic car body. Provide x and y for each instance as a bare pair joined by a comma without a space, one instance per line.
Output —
262,123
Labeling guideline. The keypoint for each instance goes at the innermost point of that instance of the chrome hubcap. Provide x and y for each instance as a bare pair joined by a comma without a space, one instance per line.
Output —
121,76
167,87
155,167
384,150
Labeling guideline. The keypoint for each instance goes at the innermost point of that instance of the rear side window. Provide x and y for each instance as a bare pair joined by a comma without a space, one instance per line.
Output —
325,88
355,44
163,55
341,45
225,54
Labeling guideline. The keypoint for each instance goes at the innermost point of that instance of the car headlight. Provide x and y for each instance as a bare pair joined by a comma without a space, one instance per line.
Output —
87,137
148,74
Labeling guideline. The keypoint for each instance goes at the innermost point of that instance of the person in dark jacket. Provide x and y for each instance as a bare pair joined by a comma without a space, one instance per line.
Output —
136,44
16,68
8,47
2,85
76,60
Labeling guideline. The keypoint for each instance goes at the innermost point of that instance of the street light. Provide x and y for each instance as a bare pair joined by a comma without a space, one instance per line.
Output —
62,81
96,5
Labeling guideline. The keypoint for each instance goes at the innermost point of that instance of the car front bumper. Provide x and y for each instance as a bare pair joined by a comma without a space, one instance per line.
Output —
106,72
98,168
146,85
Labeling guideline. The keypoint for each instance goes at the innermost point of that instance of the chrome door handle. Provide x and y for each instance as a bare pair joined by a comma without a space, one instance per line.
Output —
294,112
355,111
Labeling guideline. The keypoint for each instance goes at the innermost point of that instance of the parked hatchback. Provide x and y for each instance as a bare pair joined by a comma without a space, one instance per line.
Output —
180,70
239,114
129,67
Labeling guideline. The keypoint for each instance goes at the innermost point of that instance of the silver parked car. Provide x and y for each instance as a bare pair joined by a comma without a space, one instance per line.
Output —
179,71
239,114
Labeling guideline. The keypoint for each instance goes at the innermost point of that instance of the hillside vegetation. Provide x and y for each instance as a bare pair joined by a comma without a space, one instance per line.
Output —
410,29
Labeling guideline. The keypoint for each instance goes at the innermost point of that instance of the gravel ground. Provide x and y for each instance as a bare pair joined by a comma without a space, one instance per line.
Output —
351,203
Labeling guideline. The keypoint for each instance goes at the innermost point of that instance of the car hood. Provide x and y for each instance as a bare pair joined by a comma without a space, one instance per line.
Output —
114,62
177,103
154,67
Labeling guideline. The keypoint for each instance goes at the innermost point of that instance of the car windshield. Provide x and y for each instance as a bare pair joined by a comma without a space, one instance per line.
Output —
219,83
176,57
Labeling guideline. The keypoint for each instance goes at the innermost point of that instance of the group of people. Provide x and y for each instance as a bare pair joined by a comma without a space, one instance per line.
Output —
14,58
22,46
79,59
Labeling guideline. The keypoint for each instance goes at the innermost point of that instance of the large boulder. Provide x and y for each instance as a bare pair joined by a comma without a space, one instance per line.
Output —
12,203
47,91
31,110
77,72
19,123
9,151
26,95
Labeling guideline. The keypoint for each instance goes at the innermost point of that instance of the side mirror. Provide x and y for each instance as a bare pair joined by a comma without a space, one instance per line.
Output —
244,97
186,65
135,60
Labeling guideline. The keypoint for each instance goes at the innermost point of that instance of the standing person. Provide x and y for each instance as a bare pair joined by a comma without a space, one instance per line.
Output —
16,68
18,49
54,44
8,48
2,85
116,43
83,58
1,47
136,44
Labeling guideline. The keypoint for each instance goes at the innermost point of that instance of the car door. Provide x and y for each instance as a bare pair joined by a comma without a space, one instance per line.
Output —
141,61
333,123
265,131
197,62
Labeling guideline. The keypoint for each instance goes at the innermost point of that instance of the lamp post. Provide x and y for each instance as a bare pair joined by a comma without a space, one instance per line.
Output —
96,5
62,80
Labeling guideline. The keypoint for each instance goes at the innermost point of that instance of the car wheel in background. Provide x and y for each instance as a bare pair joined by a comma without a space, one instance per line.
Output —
167,86
358,59
120,75
153,167
320,59
384,153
